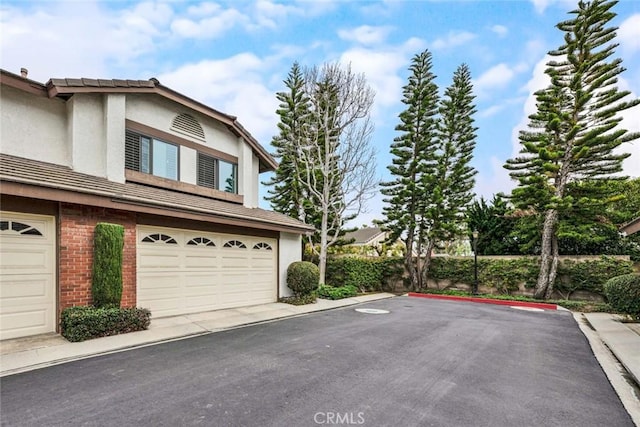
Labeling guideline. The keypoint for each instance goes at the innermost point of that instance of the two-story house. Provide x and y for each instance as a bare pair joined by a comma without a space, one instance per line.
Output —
181,177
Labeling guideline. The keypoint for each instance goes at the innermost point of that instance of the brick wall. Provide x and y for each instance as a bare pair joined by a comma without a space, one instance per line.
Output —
77,224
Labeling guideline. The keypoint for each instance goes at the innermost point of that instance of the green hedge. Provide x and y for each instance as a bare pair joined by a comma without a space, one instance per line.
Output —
589,275
329,292
365,274
623,294
106,281
83,323
505,275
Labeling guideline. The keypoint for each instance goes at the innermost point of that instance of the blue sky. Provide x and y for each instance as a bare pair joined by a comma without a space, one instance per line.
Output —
234,55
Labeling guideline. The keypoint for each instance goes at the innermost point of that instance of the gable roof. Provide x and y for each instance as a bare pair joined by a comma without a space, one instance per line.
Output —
65,88
363,235
26,177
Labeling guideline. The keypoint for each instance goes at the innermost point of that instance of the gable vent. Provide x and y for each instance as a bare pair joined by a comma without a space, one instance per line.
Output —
186,124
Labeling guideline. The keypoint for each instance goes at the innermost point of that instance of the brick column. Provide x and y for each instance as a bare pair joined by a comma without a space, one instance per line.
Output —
77,225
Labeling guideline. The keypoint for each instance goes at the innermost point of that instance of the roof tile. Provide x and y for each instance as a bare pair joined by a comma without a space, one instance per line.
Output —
18,169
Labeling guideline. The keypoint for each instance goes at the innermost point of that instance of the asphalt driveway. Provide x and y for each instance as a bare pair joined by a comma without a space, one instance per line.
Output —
426,363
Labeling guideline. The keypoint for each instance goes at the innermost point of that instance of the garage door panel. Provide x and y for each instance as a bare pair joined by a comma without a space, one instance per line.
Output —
14,289
235,261
210,271
160,260
205,261
262,263
163,306
15,324
27,274
25,259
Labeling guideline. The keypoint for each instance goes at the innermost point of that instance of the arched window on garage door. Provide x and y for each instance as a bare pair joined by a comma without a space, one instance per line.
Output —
262,246
160,238
201,241
237,244
20,228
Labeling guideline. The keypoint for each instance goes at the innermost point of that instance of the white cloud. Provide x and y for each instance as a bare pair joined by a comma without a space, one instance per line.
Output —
233,85
491,111
629,35
496,181
382,68
267,14
366,34
500,30
78,39
496,77
541,5
453,39
539,80
215,23
630,122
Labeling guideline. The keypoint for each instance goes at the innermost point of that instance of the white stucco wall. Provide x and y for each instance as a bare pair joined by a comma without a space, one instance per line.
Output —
248,175
157,112
114,127
188,165
87,143
290,251
33,127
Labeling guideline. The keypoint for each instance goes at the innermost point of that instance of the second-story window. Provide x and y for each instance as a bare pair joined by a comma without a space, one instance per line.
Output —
217,174
152,156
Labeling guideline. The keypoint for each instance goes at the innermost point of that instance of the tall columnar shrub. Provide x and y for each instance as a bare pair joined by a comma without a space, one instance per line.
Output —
108,245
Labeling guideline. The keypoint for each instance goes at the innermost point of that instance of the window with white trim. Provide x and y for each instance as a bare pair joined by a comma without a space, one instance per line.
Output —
152,156
217,174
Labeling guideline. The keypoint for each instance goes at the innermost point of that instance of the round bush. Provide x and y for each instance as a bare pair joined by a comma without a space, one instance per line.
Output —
623,294
303,277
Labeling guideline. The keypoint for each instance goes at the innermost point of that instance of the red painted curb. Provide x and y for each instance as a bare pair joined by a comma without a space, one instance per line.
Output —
541,305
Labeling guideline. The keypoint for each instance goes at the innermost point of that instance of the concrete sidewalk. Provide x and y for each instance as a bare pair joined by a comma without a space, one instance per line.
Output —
616,346
40,351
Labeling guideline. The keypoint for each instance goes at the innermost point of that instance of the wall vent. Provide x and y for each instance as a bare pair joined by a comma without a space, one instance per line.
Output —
188,125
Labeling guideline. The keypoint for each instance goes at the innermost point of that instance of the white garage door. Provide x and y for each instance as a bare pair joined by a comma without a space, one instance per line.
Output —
187,271
27,274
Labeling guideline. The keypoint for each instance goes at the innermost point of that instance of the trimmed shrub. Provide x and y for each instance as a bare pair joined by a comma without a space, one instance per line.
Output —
303,277
329,292
623,293
83,323
106,282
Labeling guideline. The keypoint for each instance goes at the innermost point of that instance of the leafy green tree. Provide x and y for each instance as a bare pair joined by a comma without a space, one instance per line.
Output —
286,194
327,166
452,189
494,222
433,179
413,165
574,132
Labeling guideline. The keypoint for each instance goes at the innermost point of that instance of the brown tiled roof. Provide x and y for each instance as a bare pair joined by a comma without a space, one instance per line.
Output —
48,175
66,87
83,82
364,235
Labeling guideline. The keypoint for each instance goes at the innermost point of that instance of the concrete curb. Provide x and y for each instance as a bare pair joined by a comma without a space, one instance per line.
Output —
165,330
622,342
544,306
613,369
